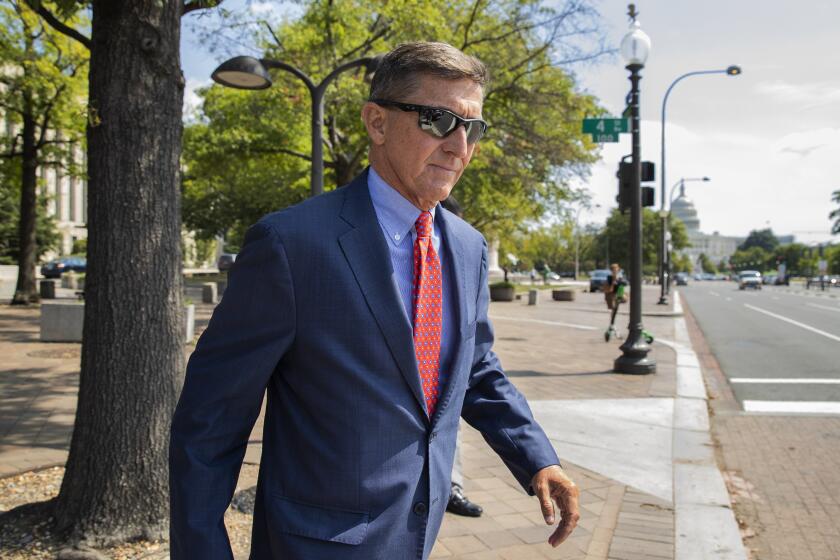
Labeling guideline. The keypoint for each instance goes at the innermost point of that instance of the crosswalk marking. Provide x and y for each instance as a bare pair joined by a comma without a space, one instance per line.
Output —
792,381
793,407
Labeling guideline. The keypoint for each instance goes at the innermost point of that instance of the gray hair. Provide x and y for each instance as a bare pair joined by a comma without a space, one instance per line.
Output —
399,72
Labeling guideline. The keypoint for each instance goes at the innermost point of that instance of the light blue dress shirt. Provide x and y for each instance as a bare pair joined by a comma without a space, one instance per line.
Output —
396,217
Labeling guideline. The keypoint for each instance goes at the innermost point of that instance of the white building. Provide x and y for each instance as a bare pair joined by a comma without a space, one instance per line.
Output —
66,202
715,246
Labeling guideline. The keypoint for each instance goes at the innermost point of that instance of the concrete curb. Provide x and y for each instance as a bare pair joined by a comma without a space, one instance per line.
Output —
705,523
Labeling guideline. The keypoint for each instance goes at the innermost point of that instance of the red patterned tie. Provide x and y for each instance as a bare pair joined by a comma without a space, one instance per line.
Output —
428,318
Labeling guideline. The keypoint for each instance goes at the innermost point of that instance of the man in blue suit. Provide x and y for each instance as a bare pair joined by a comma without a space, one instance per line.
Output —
362,314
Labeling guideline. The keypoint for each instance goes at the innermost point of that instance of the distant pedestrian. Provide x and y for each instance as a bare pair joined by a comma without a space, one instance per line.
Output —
611,291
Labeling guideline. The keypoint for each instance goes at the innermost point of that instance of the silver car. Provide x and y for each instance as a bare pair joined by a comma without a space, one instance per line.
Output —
749,279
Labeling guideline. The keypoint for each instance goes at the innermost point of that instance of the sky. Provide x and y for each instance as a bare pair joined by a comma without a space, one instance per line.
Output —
768,139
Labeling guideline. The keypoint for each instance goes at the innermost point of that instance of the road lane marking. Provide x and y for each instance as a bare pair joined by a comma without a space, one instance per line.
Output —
792,322
794,407
542,322
824,307
773,381
714,294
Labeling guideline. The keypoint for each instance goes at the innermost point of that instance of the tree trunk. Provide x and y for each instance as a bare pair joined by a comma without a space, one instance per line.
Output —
26,291
116,483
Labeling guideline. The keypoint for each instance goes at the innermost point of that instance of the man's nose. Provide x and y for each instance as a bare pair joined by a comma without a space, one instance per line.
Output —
456,142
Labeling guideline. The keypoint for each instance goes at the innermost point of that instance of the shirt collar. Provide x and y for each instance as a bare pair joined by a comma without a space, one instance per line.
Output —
395,213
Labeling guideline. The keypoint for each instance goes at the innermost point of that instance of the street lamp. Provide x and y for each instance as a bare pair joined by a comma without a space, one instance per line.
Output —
247,72
666,248
732,70
635,48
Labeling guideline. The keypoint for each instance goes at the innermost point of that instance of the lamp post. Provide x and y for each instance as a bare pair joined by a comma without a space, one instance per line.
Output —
732,70
635,48
247,72
666,216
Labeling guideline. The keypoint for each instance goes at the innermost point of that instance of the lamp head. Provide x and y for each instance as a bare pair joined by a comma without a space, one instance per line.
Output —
242,72
635,46
733,70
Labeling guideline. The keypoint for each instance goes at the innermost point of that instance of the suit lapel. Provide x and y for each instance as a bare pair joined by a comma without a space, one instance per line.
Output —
455,254
365,250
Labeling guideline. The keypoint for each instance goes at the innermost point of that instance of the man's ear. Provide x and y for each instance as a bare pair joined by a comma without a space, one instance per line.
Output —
376,122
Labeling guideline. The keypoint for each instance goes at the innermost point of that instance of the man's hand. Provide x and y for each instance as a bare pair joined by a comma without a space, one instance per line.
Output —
552,485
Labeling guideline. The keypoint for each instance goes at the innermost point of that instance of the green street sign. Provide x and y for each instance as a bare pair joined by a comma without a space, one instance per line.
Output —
606,126
601,138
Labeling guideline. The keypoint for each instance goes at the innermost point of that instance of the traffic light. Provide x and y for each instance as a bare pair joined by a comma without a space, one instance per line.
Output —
648,172
648,197
625,184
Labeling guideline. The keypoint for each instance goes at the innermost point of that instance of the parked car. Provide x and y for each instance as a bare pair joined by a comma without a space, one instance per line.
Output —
597,279
825,279
681,279
749,279
226,261
553,276
769,279
55,268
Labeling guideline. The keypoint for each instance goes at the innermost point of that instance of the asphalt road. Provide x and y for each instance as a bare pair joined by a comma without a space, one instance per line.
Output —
780,348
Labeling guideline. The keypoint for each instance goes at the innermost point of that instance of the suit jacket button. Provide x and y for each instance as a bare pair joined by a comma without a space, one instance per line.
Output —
420,509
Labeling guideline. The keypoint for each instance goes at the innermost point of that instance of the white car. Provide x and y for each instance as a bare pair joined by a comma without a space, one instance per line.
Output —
749,279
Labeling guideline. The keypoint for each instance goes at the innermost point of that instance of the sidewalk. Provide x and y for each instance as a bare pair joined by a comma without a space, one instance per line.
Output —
638,446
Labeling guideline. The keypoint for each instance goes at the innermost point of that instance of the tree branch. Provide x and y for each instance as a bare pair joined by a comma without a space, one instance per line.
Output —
469,24
199,5
47,114
371,39
278,151
273,35
59,26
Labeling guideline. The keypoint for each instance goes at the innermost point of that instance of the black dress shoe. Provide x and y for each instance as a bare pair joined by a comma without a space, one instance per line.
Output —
461,505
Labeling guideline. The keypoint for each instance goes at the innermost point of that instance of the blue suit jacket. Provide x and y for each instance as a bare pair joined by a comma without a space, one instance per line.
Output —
352,466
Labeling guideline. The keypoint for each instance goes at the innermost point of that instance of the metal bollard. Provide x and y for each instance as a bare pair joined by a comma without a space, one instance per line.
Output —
209,292
47,289
532,297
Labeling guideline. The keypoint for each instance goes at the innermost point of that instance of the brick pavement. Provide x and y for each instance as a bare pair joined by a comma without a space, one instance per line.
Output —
546,361
783,472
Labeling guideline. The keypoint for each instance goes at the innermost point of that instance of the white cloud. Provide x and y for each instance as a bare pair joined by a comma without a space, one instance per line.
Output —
756,181
805,96
192,101
804,144
264,8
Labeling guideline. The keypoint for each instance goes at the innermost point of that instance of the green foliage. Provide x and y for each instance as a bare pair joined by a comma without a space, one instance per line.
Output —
46,235
43,74
79,247
754,258
832,255
799,259
616,237
247,153
763,238
43,80
835,214
681,262
706,264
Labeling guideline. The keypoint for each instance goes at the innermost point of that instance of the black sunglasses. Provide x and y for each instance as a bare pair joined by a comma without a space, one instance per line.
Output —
439,122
